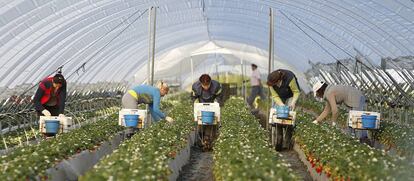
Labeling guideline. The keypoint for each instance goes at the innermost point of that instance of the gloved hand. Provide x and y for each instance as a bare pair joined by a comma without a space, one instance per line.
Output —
315,122
333,123
169,119
46,112
61,115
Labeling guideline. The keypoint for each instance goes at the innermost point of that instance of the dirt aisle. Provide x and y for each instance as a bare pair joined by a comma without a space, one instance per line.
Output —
199,167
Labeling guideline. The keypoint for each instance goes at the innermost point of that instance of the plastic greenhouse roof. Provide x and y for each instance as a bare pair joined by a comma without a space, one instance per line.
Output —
38,36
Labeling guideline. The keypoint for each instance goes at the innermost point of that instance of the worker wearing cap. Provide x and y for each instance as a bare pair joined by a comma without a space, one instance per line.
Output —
285,90
206,90
337,94
50,97
146,94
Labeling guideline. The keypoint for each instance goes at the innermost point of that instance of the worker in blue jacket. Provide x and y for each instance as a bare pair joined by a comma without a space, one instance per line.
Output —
146,94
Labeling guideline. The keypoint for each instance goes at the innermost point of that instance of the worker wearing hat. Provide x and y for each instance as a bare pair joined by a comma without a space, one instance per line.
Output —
50,97
206,90
285,90
146,94
337,94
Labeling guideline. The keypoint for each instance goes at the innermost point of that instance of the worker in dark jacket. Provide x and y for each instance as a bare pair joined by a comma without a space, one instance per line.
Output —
206,90
285,90
50,97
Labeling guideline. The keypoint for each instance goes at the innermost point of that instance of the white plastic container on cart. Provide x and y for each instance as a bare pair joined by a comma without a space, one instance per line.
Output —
207,107
142,116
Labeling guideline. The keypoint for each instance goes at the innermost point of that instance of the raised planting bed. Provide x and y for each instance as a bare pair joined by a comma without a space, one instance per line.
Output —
242,150
156,153
393,137
342,157
31,162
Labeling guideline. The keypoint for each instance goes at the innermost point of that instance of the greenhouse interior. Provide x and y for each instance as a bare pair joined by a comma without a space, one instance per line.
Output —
204,90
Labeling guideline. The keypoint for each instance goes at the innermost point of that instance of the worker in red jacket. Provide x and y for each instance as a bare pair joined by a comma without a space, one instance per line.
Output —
50,97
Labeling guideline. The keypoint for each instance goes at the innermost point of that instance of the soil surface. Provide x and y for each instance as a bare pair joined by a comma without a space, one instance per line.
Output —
199,167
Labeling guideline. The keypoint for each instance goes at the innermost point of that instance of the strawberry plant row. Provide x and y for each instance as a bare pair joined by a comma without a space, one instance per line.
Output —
242,150
32,161
148,154
342,157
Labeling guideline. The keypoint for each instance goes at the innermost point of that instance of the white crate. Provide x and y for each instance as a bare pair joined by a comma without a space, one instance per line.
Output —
274,120
66,123
355,119
141,112
212,107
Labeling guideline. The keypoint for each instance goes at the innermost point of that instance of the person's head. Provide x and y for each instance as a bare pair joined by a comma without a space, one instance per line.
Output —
274,78
319,89
254,66
58,80
163,88
205,81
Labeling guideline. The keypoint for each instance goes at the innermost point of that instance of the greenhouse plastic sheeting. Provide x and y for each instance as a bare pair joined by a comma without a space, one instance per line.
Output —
38,36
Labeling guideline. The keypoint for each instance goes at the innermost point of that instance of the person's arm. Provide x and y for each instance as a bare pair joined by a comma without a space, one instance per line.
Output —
219,95
295,90
325,112
276,97
62,100
156,98
193,95
334,107
36,99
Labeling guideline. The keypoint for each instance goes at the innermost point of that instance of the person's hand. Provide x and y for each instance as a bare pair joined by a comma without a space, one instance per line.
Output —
333,123
292,106
315,122
169,119
61,115
46,112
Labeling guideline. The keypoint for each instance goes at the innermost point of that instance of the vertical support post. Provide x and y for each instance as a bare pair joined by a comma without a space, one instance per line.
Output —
153,43
242,75
149,46
270,61
192,69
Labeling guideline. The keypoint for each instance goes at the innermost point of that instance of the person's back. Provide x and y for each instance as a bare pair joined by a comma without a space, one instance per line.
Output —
146,93
348,95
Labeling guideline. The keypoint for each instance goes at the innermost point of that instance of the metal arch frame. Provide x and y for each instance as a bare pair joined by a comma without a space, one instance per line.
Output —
52,39
85,12
366,35
127,41
321,17
50,62
103,25
369,22
133,54
346,39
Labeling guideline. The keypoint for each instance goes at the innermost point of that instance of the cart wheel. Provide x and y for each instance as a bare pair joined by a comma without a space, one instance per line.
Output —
289,137
273,135
279,137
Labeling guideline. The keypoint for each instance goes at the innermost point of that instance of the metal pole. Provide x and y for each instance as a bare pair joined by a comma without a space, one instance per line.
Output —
192,69
153,43
149,46
242,75
270,59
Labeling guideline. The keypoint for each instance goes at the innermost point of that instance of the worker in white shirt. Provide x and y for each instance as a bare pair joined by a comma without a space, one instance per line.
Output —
256,86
